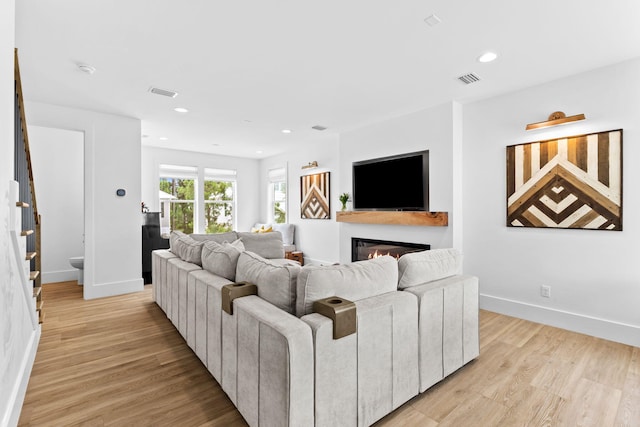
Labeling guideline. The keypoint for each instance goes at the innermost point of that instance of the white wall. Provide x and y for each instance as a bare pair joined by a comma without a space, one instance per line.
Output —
595,284
18,339
316,238
57,156
113,242
247,179
431,129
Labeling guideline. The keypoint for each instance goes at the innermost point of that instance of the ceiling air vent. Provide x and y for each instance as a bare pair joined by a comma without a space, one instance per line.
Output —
163,92
318,127
469,78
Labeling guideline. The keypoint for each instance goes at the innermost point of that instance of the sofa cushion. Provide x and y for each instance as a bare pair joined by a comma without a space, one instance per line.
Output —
426,266
173,237
189,250
287,231
229,236
267,245
221,258
276,281
352,281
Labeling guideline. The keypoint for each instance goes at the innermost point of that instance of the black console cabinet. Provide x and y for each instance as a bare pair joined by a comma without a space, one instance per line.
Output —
151,240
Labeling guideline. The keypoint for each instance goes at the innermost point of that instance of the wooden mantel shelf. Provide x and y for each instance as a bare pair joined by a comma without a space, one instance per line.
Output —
432,219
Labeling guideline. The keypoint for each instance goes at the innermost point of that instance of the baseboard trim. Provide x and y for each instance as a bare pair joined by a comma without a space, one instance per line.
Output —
102,290
16,397
589,325
59,276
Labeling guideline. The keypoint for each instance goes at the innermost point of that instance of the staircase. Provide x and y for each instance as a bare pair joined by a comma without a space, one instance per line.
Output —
31,290
25,220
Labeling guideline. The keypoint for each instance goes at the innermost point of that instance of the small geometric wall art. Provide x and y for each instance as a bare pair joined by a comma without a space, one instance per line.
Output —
314,196
573,182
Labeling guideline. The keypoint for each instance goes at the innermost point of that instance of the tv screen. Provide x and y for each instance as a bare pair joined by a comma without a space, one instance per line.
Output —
392,183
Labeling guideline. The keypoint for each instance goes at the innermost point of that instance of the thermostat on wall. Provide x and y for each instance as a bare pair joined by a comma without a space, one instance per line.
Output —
120,192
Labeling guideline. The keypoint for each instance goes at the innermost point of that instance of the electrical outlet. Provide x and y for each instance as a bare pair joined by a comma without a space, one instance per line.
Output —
545,291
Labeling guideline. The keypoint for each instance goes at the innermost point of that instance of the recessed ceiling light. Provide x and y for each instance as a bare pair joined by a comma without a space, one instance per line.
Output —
163,138
432,20
487,57
85,68
286,130
258,151
181,110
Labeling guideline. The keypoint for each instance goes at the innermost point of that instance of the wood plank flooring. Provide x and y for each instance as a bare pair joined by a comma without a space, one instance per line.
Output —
120,362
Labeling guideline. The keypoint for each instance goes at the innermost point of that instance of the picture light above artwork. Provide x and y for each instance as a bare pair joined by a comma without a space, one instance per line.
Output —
556,118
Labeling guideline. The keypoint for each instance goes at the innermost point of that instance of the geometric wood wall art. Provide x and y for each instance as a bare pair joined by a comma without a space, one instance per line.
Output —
573,182
314,196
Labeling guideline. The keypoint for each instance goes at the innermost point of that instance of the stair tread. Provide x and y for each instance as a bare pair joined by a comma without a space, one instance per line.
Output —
37,290
33,275
26,232
22,204
30,255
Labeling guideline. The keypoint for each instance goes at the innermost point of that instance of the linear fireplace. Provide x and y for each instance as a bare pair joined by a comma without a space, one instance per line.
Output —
362,249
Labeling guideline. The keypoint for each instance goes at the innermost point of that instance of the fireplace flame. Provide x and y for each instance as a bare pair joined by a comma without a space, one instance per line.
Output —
377,254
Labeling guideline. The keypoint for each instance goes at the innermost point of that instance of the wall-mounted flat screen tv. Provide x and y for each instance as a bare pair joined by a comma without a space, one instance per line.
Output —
398,182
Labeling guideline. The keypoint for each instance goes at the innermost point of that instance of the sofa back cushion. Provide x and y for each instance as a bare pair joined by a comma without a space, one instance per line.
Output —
229,236
276,282
189,250
352,281
221,259
267,245
426,266
173,238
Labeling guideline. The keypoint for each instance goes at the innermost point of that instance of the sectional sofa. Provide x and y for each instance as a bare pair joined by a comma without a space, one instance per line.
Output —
342,344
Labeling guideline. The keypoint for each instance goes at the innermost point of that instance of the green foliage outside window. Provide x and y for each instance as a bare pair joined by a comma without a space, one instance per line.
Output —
183,205
218,206
279,214
279,202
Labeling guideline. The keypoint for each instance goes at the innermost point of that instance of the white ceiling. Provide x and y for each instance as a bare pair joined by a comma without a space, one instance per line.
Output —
246,69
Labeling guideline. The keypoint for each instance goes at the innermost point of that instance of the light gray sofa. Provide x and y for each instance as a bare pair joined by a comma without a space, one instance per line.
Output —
287,231
278,361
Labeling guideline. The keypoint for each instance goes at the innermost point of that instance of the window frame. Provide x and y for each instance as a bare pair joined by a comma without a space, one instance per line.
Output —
277,176
220,175
178,172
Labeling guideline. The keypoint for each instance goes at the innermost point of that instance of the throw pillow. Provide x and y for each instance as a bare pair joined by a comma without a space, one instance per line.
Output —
221,259
261,228
287,231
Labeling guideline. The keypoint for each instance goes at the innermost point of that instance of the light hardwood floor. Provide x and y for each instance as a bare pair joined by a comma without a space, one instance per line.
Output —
120,362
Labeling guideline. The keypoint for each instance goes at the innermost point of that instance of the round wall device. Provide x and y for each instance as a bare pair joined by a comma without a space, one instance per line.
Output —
120,192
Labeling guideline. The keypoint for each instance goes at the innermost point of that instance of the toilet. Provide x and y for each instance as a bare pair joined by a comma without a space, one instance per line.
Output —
78,262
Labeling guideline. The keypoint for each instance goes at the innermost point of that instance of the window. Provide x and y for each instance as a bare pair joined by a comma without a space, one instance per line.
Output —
177,198
278,195
219,200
